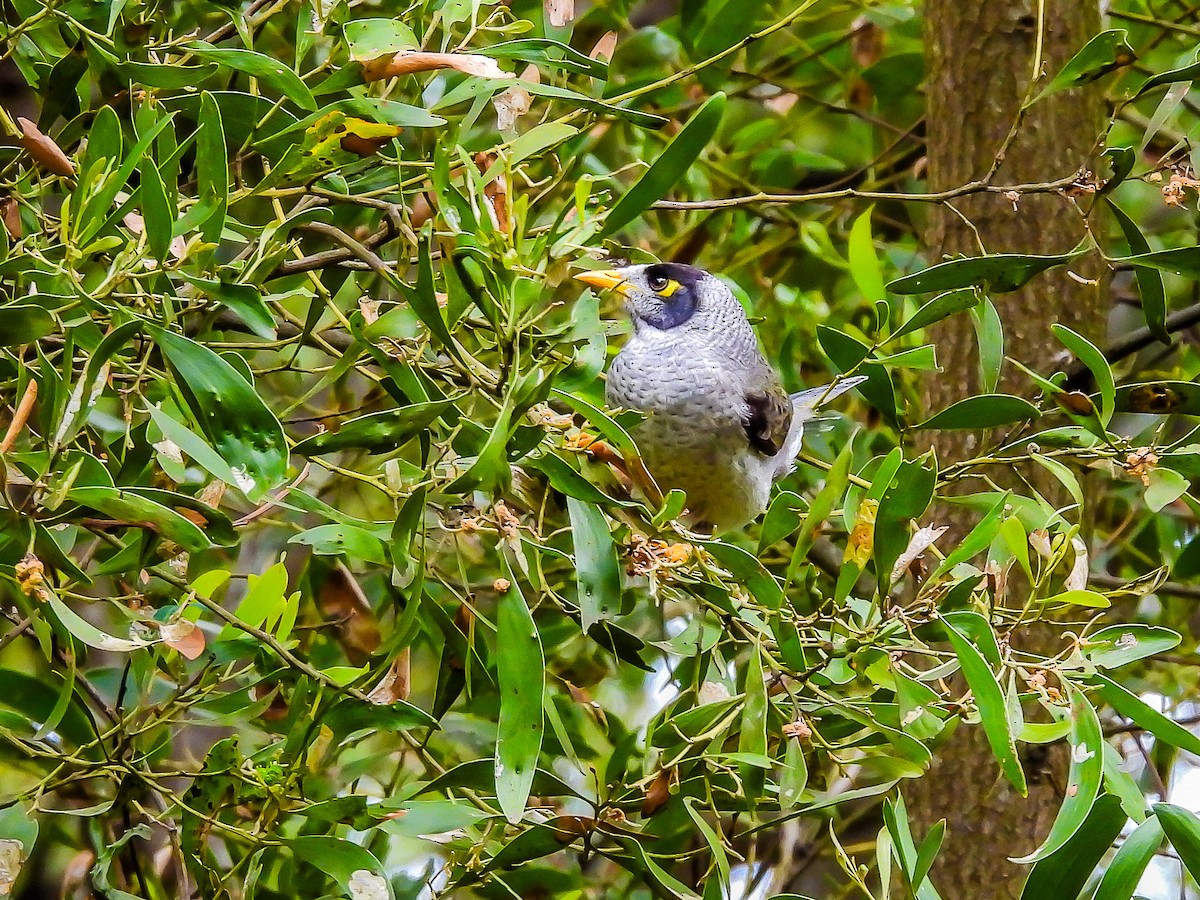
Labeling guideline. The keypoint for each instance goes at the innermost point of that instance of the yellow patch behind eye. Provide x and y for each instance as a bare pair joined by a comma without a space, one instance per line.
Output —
672,287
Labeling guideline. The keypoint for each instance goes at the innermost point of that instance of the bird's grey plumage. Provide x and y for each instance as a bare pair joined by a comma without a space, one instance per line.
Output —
719,424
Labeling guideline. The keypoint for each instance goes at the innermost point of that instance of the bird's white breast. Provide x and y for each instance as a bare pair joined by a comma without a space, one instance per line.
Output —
693,437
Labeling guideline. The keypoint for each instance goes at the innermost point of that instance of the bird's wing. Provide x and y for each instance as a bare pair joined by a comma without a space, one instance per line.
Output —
804,408
769,417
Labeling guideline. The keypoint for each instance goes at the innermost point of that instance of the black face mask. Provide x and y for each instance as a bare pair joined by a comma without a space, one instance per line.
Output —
681,305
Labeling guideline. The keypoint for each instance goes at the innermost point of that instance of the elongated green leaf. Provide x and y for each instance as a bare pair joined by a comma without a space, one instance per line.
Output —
747,569
1083,780
1183,261
672,164
521,671
341,860
1001,272
989,333
24,323
993,712
596,568
1125,871
229,412
88,633
1134,707
822,506
895,817
847,353
126,506
551,53
715,846
864,261
1066,871
1184,73
983,411
1149,279
752,735
940,307
1119,645
379,432
1104,53
243,299
157,213
270,72
263,601
1091,356
1183,831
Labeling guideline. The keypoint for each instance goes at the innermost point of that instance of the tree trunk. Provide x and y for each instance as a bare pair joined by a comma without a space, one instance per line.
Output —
980,58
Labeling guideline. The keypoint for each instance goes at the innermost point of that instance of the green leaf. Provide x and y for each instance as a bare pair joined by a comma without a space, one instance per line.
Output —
1185,73
1165,487
982,411
264,600
128,507
993,712
783,519
1001,272
976,540
747,569
752,735
88,633
157,213
940,307
848,354
670,166
1135,708
989,333
379,432
245,300
369,39
521,670
1119,645
24,323
596,567
712,838
1150,282
340,859
1125,871
334,539
1104,53
1083,780
1065,872
1183,831
550,53
1090,599
864,261
229,412
905,499
270,72
1091,356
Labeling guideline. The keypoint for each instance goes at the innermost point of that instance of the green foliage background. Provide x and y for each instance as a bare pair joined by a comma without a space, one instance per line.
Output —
319,579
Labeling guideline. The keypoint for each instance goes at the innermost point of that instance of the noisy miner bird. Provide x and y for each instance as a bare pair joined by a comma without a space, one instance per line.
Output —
719,425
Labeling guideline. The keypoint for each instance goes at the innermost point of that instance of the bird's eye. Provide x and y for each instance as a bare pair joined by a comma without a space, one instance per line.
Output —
658,283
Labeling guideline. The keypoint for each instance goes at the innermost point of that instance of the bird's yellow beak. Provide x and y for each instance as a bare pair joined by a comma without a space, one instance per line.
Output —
606,279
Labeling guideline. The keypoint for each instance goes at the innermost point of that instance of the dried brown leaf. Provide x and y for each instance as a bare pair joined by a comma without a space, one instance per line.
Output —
605,47
45,152
560,12
184,636
408,62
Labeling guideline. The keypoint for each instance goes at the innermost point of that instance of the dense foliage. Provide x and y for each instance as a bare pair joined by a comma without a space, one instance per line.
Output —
320,565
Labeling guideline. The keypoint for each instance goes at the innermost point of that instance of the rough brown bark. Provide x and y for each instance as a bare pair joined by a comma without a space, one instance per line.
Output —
980,59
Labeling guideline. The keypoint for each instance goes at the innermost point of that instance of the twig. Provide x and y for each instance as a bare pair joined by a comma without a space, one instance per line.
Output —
1137,340
20,417
979,186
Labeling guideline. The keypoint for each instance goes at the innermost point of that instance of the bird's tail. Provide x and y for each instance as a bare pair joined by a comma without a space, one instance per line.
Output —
804,409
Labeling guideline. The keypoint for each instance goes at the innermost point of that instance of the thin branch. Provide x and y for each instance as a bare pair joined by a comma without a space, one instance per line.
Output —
979,186
1137,340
